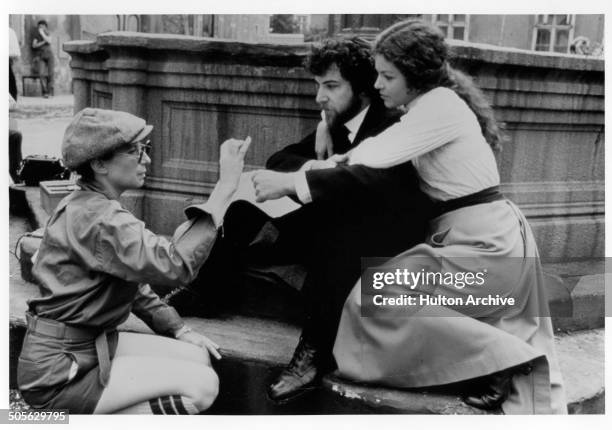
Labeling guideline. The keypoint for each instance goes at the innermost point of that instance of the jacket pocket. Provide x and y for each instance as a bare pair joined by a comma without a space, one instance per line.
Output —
46,373
42,363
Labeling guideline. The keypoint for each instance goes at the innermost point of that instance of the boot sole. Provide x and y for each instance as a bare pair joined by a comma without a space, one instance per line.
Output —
292,397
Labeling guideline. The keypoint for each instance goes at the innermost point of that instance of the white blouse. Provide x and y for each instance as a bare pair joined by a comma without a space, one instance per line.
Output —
442,137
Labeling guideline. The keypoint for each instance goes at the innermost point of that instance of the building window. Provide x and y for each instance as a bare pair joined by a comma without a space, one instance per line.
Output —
132,23
453,26
553,33
303,23
283,24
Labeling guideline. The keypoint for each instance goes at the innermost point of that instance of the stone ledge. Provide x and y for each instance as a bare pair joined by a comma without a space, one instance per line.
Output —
39,216
228,50
293,54
247,338
507,56
398,401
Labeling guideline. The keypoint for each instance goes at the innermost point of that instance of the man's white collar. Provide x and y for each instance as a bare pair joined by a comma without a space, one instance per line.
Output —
354,123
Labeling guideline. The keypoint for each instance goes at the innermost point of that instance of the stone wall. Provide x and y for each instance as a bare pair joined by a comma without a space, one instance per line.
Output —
197,92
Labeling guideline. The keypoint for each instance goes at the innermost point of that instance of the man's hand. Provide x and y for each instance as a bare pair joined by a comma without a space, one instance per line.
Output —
338,159
44,35
201,341
270,185
323,141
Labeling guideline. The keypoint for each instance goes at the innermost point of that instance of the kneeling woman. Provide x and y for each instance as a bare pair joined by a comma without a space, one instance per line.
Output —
94,265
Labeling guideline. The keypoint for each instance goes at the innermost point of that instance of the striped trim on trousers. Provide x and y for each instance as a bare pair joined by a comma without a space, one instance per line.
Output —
168,405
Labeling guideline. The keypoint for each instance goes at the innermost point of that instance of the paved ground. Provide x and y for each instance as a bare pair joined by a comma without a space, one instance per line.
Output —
42,123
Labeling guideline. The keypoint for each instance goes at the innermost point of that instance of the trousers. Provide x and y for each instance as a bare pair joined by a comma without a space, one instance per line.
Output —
323,240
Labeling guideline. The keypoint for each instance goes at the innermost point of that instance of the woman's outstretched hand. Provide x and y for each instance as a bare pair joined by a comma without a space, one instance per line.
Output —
231,161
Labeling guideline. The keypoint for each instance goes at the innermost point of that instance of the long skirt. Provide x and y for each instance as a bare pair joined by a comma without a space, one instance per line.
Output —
431,344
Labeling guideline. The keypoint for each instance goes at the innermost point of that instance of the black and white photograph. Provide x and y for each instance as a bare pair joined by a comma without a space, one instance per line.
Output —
306,215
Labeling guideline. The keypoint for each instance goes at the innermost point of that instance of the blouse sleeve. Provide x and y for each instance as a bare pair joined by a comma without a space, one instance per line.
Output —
127,250
160,317
435,118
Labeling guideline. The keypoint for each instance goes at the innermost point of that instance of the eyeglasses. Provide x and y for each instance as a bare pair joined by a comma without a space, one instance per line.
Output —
144,147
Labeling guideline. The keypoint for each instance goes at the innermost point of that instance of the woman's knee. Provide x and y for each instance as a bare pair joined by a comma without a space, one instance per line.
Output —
205,357
195,353
187,351
138,344
205,388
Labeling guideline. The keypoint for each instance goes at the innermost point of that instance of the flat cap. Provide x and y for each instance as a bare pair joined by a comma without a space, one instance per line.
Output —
95,132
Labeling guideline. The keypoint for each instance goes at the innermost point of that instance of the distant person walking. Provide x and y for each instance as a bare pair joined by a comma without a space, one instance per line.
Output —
42,53
14,54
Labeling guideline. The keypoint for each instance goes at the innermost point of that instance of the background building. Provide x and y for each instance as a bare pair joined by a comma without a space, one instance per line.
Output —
564,34
553,33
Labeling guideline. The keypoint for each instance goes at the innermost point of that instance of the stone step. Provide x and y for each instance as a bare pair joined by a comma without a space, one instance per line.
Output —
255,349
577,298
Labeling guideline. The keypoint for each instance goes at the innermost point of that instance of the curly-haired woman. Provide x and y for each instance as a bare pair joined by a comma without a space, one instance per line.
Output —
449,132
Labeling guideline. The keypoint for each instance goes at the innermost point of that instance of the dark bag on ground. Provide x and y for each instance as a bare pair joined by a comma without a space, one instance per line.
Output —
36,168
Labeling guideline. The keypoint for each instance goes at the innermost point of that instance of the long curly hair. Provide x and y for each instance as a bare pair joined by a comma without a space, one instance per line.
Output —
420,53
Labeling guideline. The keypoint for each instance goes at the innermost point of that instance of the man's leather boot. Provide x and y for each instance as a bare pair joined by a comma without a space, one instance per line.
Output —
300,376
